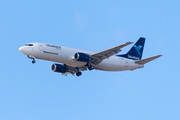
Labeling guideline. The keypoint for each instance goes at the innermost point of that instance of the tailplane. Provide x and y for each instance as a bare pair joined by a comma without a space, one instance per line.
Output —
135,53
146,60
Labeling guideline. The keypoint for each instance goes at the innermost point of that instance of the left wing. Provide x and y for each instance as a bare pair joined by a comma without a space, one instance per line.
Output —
100,56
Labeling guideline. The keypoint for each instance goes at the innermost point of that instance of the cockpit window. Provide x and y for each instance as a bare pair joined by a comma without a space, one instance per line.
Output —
29,45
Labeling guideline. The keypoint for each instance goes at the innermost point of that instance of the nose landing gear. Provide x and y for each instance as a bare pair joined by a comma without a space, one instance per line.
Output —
32,57
34,61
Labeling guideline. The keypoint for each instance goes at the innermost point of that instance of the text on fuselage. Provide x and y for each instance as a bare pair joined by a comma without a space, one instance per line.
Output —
54,46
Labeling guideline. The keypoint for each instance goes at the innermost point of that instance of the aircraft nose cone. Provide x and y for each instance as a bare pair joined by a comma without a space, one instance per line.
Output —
20,49
23,49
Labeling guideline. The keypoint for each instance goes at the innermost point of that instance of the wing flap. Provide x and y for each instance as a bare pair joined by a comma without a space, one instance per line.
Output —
146,60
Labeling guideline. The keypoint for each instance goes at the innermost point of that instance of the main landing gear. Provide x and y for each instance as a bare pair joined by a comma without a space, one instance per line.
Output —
91,67
78,73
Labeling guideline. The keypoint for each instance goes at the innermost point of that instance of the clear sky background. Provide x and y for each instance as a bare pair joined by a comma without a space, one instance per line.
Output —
34,92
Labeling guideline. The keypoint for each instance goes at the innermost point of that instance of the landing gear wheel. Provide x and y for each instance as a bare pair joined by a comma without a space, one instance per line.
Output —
91,67
78,74
33,61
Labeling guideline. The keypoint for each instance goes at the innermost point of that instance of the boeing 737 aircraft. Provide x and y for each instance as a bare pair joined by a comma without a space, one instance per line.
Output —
75,61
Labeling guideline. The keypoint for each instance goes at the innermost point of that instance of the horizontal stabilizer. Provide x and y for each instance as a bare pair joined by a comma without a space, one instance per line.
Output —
146,60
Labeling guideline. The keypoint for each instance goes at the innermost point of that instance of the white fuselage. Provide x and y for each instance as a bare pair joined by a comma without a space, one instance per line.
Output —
65,55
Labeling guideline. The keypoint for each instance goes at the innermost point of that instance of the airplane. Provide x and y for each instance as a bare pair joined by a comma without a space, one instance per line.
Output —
74,61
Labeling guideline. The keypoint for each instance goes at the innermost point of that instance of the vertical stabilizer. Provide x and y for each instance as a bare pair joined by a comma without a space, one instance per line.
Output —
135,53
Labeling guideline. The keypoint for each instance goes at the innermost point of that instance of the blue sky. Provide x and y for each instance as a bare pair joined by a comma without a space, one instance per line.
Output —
34,92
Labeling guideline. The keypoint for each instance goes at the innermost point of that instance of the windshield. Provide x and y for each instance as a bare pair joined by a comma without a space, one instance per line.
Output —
29,45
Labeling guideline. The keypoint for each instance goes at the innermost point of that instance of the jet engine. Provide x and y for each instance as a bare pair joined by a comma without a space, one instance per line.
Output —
82,57
58,68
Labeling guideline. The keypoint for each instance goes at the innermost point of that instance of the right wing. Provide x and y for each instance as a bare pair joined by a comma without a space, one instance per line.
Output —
100,56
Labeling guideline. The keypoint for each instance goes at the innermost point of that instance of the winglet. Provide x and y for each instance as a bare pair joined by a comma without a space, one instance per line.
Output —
146,60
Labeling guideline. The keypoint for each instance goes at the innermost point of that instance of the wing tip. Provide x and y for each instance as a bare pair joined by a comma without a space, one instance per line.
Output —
159,55
129,43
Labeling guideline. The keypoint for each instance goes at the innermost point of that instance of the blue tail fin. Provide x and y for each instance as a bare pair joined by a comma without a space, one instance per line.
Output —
135,53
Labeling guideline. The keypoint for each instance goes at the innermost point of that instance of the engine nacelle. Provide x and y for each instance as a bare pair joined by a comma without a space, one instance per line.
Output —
81,57
58,68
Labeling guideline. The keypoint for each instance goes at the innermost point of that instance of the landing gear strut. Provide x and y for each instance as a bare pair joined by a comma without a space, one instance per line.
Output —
78,74
32,57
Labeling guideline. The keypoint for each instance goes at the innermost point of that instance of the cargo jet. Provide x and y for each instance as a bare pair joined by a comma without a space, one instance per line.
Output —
74,61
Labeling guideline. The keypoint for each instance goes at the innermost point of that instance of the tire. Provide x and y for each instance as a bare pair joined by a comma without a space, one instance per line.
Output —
33,61
79,74
91,68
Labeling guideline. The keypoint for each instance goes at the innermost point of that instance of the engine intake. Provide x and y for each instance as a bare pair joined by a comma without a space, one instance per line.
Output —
81,57
58,68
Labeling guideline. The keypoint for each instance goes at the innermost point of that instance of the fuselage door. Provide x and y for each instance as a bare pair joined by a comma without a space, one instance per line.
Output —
40,47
